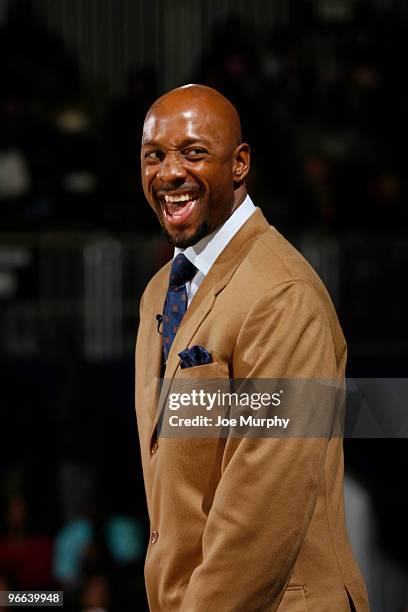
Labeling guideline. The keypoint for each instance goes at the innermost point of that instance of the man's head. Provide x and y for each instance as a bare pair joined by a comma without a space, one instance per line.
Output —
193,162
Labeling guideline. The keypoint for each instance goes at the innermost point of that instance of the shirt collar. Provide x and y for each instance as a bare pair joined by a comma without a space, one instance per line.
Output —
204,253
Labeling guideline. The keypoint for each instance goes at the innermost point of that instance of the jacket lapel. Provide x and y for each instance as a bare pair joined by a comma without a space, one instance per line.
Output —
153,365
151,351
203,301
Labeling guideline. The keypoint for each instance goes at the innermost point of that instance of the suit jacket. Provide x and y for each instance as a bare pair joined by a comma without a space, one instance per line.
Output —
242,524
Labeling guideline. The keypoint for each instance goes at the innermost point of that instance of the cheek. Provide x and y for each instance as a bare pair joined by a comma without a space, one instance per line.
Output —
147,179
223,184
215,178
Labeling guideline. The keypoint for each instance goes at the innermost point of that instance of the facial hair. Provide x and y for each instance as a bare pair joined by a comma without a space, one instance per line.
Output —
178,240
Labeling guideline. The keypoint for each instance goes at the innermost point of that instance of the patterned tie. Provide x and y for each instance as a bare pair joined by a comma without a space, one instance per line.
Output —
175,306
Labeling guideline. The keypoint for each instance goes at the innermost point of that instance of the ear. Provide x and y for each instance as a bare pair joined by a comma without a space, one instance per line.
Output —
241,162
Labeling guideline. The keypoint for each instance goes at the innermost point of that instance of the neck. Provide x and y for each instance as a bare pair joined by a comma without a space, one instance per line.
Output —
239,196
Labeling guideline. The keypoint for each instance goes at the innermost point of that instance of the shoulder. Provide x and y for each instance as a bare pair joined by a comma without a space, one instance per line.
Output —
278,280
274,258
156,287
273,266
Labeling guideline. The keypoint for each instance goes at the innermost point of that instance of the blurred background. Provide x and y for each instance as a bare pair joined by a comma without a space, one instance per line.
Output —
320,88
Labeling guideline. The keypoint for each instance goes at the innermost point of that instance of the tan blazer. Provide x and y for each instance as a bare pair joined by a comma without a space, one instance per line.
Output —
252,523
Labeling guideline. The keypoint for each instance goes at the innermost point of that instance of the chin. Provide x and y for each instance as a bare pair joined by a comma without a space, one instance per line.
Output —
180,240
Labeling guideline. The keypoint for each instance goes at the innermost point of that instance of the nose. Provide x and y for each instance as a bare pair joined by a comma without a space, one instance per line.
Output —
172,170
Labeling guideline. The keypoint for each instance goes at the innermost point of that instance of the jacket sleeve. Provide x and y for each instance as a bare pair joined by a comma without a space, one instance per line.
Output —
268,488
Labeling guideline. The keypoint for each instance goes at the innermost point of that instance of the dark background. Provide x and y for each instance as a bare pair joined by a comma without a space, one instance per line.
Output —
320,86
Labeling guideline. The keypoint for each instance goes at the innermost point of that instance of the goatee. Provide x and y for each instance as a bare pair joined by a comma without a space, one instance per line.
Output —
177,239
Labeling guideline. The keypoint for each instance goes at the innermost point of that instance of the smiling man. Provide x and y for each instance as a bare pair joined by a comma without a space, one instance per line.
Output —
193,163
237,524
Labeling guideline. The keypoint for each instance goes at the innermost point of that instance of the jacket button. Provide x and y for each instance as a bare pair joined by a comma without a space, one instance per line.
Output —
154,537
154,448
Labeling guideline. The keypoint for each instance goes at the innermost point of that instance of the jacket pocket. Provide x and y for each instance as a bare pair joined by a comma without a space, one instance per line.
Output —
293,600
208,371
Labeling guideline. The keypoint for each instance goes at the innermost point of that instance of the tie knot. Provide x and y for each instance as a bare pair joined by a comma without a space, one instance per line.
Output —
182,271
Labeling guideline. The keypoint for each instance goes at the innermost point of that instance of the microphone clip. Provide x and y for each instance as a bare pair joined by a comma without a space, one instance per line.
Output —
159,320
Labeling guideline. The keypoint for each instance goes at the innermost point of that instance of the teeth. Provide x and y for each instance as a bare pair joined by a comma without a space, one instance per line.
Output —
180,198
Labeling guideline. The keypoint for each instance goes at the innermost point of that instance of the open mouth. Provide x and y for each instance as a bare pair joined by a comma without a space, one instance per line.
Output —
178,207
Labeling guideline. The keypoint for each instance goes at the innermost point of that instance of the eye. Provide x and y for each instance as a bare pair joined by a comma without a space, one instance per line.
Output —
195,153
154,156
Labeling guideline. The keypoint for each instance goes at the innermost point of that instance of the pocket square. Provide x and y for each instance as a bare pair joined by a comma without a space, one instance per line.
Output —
194,356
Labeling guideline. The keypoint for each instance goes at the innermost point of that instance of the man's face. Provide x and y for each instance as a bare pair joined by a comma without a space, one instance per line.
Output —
188,166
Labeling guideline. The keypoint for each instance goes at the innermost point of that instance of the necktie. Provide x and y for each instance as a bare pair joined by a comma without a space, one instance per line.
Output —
175,306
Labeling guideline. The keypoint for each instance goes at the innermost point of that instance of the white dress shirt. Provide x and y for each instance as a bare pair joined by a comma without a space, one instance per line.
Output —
204,253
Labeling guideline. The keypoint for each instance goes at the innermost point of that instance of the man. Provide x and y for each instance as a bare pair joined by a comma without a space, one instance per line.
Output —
238,523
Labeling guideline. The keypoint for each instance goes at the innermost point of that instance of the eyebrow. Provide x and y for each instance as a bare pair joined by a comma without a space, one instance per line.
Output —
184,143
150,143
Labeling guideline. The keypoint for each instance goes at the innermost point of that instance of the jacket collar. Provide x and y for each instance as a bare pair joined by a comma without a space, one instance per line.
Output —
217,278
205,252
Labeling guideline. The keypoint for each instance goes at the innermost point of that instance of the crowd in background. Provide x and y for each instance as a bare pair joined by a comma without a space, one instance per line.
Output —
72,512
324,111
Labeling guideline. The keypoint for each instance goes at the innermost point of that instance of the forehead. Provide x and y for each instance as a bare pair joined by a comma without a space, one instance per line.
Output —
168,126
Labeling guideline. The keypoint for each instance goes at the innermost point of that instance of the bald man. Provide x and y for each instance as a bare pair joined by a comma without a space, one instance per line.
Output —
237,523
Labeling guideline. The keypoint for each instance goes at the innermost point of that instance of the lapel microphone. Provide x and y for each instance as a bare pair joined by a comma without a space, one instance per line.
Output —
159,320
